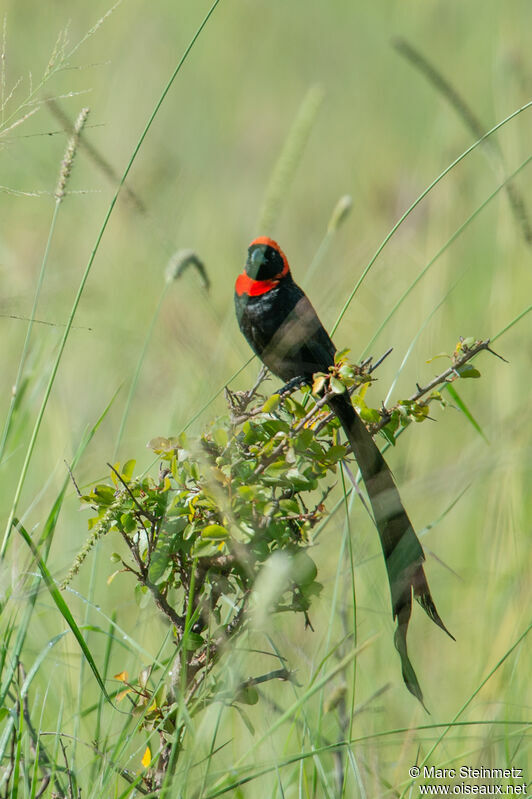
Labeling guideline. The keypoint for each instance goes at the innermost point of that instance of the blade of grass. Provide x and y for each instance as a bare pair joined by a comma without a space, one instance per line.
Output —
105,674
349,728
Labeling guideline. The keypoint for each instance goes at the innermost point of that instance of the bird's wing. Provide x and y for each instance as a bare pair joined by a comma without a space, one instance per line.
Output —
300,346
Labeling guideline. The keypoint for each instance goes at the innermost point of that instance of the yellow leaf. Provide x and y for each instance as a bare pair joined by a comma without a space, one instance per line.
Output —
319,382
123,676
122,694
112,576
114,478
146,758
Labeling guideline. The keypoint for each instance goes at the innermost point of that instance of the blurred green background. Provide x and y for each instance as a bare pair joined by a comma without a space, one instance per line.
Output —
381,133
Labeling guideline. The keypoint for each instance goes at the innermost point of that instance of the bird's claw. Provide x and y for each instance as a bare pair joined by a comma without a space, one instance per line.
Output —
292,385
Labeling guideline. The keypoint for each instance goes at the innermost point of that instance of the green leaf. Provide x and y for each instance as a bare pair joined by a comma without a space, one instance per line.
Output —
159,563
304,439
420,411
206,548
277,469
193,641
337,387
103,494
128,522
346,372
220,437
467,370
246,492
341,355
370,415
303,570
271,403
300,482
214,531
388,434
335,453
247,695
274,426
289,506
127,470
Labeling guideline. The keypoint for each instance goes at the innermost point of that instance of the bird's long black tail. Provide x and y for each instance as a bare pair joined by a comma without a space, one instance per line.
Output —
403,553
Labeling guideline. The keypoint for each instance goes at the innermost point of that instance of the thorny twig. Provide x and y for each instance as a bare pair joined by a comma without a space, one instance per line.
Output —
78,492
448,376
238,401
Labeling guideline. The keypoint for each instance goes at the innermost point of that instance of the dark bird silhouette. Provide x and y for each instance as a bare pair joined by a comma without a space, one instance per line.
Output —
284,330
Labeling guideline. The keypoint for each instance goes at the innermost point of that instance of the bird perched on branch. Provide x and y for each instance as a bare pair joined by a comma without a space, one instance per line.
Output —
284,330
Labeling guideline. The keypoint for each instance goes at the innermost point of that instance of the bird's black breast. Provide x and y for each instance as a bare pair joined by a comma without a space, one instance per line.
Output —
284,330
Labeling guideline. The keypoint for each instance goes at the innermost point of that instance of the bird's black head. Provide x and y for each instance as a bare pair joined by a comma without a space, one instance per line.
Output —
266,260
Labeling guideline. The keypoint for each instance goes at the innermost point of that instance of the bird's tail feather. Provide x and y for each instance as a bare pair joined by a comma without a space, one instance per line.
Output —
403,553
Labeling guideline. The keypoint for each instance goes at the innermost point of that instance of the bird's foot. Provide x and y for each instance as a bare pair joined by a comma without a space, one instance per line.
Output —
293,385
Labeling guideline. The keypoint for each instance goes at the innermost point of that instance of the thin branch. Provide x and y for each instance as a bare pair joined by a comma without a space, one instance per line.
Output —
78,492
448,376
163,605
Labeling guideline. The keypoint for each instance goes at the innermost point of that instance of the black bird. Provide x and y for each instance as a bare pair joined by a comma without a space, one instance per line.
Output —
284,330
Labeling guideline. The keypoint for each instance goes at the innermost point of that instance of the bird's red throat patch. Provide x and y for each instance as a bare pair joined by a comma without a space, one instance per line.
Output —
253,288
